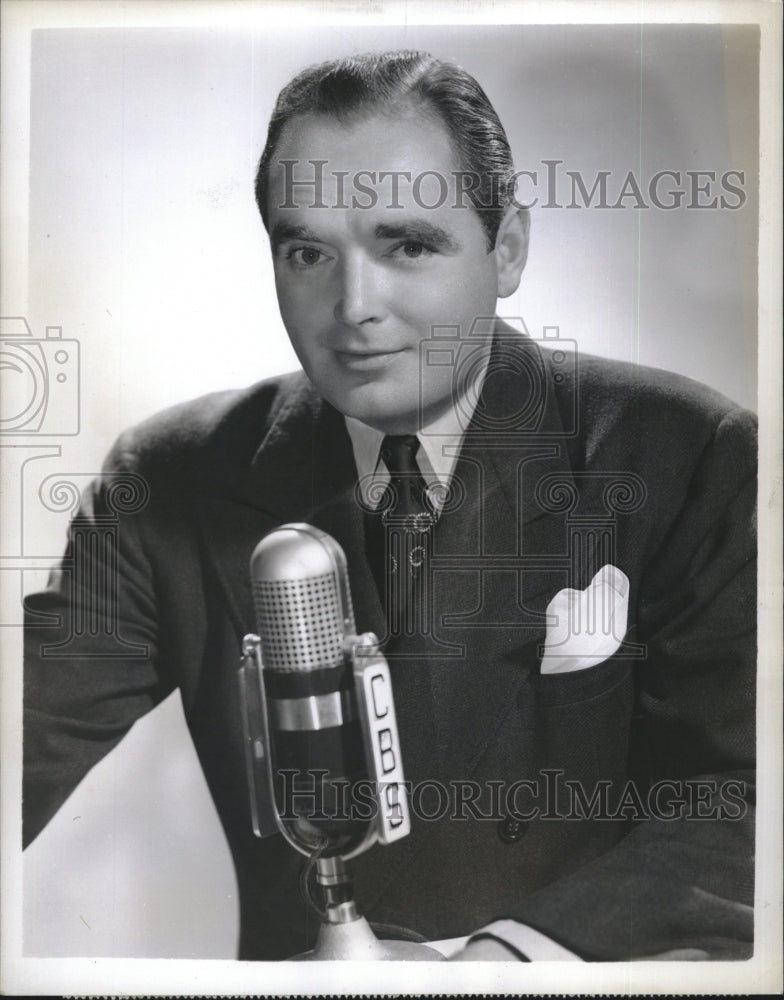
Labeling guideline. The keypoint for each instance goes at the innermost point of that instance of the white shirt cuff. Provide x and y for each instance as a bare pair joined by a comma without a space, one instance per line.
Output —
536,947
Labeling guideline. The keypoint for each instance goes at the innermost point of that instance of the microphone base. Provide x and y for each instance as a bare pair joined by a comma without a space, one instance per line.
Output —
355,941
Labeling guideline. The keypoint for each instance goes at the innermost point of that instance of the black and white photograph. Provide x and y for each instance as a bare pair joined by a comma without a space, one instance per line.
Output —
390,424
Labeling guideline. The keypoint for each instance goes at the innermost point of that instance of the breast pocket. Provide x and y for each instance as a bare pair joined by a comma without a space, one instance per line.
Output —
582,724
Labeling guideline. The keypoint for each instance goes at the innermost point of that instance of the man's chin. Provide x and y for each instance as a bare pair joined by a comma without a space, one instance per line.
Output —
383,414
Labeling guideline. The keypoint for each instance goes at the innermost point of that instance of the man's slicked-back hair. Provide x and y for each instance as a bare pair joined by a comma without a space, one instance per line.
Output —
348,89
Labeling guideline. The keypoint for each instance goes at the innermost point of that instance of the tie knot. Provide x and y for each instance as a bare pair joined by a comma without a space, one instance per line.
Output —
399,454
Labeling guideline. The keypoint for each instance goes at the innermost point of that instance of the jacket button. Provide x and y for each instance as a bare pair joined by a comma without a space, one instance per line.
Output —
511,830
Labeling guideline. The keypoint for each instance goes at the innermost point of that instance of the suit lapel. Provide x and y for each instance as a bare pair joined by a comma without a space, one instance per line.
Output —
504,553
303,470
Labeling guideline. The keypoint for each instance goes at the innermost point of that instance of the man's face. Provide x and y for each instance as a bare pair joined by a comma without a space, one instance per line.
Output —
359,288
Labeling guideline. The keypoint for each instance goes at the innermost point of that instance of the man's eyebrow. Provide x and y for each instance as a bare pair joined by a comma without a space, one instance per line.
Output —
419,231
283,231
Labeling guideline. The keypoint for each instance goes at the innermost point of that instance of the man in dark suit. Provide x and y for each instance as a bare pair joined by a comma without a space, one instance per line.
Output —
598,793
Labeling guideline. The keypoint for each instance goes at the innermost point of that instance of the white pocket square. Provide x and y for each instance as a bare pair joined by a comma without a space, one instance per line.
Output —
585,627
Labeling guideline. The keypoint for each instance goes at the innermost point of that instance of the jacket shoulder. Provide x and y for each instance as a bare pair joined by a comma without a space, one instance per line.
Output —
208,435
627,409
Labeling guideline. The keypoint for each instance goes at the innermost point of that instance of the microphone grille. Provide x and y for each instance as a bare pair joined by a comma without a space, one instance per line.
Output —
302,599
299,623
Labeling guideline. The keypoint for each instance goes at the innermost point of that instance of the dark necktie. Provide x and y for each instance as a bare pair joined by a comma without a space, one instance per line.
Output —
400,540
409,505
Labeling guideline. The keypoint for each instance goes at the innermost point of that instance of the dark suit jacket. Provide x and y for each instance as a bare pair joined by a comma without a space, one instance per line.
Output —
562,471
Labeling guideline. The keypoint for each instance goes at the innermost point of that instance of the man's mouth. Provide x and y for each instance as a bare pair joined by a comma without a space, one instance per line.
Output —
362,358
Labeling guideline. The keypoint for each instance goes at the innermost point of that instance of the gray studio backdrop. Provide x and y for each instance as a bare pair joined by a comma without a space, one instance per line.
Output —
144,244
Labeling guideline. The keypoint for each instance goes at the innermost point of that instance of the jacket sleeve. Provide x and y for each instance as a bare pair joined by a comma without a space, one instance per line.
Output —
683,877
90,644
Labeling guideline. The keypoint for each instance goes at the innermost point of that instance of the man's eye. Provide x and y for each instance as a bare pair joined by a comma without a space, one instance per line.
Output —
305,256
412,249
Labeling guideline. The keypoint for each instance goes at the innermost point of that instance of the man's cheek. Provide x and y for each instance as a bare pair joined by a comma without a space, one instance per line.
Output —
443,298
300,306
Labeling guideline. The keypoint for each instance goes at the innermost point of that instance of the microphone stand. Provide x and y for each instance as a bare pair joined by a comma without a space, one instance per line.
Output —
344,934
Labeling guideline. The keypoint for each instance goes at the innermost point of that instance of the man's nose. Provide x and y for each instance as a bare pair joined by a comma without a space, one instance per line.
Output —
360,299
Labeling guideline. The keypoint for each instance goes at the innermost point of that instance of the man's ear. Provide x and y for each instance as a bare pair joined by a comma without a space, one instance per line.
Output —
511,249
